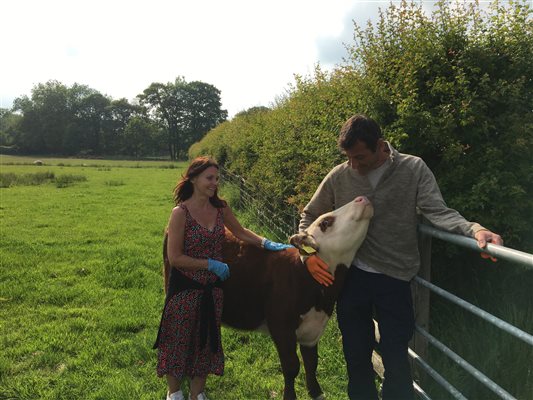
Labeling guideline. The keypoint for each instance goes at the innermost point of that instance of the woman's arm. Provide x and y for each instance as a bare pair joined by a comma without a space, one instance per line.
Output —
176,235
238,230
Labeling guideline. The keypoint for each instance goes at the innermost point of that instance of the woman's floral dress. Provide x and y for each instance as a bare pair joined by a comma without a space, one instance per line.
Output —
180,353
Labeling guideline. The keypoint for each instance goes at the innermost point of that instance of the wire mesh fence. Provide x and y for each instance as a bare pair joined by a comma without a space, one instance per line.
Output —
278,219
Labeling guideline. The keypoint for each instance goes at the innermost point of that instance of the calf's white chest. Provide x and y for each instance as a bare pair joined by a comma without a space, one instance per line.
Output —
312,325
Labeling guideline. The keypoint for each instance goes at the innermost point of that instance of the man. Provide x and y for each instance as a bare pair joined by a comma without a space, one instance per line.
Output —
400,187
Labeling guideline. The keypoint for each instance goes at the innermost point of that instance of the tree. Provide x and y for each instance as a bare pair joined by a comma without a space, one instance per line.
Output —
118,114
88,109
47,117
164,106
58,119
187,111
29,135
203,111
140,137
8,126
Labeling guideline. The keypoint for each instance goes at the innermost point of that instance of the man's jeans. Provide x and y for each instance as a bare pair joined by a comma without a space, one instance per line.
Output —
364,295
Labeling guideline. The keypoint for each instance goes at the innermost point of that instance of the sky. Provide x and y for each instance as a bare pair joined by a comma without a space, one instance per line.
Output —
250,50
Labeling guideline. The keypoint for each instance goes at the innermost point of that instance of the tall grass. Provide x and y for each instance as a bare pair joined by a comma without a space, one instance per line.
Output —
38,178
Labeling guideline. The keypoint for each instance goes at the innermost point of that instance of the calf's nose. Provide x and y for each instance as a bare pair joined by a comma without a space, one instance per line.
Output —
362,199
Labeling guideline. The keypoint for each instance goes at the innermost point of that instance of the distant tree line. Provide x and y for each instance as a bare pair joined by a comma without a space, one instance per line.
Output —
78,120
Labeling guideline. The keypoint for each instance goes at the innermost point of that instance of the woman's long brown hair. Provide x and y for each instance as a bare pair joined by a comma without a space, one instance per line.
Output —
184,188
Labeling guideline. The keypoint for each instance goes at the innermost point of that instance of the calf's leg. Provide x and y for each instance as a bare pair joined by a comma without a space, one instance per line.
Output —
310,359
285,342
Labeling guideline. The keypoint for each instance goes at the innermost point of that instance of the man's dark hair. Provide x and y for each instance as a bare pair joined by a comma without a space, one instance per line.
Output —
359,127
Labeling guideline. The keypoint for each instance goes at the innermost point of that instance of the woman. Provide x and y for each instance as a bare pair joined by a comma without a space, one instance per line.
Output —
189,335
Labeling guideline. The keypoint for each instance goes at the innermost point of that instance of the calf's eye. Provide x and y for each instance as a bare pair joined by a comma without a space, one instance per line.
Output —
326,223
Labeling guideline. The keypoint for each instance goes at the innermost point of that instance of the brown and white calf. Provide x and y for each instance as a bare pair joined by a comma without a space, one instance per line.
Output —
274,292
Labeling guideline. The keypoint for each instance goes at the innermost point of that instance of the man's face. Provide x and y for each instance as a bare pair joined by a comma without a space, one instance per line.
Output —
362,158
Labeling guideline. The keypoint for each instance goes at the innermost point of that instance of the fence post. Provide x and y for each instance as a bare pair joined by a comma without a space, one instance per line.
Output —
421,299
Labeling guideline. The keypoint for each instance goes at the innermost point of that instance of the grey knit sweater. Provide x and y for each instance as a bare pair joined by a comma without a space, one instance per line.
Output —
406,189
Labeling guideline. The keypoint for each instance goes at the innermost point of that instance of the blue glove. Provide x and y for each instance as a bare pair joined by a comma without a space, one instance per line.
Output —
273,246
219,268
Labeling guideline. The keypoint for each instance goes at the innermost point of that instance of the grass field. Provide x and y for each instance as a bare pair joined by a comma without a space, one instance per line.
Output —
81,288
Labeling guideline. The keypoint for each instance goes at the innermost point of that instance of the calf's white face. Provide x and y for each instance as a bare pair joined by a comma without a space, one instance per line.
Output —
337,235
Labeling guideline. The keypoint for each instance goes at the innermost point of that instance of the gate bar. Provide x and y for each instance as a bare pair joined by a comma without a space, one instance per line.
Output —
438,377
513,330
467,366
506,253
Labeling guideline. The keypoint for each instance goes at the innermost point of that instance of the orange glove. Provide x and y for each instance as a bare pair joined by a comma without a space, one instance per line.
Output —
319,270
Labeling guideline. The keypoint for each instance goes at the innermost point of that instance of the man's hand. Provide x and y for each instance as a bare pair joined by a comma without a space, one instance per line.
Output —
319,270
483,237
